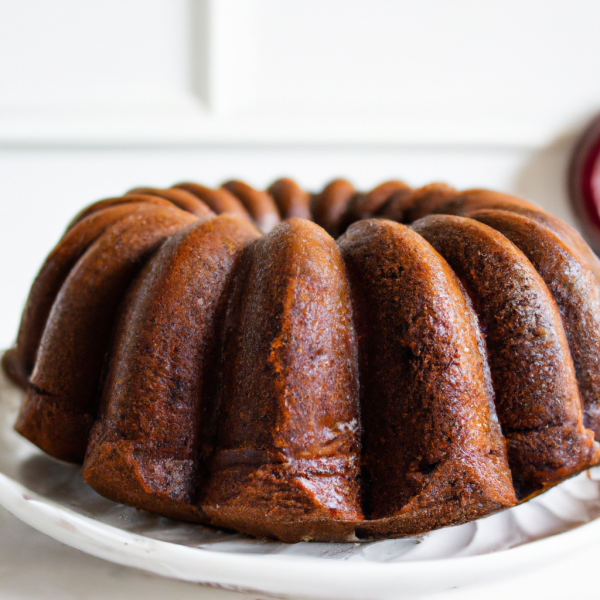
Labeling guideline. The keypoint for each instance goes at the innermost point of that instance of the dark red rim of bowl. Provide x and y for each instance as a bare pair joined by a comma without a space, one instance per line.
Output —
585,161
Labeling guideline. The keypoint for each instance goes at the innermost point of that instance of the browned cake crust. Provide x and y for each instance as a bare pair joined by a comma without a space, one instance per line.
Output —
50,279
466,202
288,387
366,205
427,200
260,205
112,202
575,290
219,200
396,205
432,443
473,200
291,199
290,456
180,198
147,447
329,206
62,396
537,397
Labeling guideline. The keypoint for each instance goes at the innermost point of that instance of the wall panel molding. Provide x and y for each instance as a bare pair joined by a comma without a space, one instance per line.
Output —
181,72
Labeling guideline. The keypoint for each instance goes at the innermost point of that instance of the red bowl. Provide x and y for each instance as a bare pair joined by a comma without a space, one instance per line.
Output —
584,183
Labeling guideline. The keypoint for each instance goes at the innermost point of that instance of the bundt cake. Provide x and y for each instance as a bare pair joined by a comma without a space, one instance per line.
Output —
214,355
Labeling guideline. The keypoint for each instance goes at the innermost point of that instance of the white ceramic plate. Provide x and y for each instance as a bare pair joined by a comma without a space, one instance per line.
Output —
52,497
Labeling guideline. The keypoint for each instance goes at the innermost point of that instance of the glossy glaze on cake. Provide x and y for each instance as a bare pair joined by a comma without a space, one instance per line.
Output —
214,356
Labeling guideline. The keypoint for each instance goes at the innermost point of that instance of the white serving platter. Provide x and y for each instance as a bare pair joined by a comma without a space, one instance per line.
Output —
51,496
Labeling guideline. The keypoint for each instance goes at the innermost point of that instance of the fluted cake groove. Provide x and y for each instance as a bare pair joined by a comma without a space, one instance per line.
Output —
218,356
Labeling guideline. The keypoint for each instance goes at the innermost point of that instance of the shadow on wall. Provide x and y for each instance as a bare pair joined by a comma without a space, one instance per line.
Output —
543,179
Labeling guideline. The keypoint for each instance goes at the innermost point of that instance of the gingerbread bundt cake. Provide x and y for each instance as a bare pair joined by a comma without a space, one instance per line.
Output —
214,355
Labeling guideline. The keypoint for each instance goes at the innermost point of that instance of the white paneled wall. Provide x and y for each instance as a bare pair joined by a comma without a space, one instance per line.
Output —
94,57
516,72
